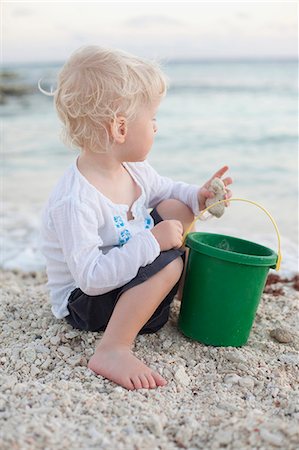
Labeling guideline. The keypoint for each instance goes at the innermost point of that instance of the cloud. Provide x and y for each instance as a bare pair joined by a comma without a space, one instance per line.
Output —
22,11
242,16
35,31
284,28
148,21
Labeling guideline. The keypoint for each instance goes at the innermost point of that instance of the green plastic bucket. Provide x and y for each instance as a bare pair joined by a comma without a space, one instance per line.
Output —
225,278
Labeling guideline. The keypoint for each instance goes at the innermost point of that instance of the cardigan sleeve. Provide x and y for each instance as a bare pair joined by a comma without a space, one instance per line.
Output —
161,188
77,227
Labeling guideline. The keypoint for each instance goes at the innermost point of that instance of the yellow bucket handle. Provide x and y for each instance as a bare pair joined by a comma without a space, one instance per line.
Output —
279,258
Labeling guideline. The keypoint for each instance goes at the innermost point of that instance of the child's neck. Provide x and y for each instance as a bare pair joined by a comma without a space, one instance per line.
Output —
110,177
106,165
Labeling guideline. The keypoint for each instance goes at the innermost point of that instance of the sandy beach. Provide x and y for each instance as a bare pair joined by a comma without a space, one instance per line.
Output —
235,398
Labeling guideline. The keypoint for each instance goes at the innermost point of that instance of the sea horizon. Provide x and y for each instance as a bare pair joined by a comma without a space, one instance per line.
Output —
172,60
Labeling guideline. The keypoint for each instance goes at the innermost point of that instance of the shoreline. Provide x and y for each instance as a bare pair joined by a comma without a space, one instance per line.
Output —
216,397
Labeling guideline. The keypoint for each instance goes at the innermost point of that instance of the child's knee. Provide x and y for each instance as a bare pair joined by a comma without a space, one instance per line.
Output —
173,271
175,209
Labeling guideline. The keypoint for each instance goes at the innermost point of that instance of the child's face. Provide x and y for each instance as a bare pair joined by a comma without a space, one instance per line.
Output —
141,132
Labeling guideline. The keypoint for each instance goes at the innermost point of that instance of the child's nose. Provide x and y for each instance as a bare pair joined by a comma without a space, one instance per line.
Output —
155,127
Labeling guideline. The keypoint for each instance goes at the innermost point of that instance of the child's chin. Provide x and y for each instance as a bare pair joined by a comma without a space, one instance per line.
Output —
140,159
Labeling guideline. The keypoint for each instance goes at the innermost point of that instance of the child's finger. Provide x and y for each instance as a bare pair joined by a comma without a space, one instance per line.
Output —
206,193
179,243
228,195
227,181
220,172
180,227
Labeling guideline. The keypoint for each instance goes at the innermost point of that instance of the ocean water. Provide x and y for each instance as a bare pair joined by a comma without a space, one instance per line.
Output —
240,113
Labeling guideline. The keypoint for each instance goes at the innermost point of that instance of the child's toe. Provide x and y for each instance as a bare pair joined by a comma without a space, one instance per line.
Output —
144,381
151,381
128,384
160,381
136,382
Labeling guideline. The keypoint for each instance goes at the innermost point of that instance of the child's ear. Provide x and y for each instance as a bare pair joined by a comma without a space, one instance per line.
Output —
119,129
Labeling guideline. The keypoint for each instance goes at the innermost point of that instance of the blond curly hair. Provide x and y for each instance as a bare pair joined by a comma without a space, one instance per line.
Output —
95,86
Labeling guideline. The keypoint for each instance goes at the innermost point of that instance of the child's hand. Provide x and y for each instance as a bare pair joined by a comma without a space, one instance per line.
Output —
169,234
204,192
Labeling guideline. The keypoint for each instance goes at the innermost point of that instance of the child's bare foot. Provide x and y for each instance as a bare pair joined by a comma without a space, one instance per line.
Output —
118,364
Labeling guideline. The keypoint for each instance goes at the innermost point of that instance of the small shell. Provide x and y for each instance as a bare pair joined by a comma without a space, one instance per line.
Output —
281,335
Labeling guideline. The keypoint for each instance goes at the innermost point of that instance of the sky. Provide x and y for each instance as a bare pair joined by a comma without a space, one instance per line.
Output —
49,31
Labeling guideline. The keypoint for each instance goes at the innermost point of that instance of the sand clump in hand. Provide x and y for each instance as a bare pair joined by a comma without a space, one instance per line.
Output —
236,398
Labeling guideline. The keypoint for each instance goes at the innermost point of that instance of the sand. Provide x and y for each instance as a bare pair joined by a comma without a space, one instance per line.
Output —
234,398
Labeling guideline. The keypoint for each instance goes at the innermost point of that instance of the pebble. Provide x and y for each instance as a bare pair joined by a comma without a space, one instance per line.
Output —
71,334
119,389
2,405
15,290
231,379
183,436
42,349
89,352
20,363
75,360
224,437
29,354
242,367
66,351
246,382
275,439
289,358
8,381
15,354
227,407
167,344
15,324
34,371
281,335
25,370
235,357
181,376
154,425
46,363
55,340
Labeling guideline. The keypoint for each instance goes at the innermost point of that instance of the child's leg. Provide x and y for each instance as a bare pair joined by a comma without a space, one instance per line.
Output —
113,358
174,209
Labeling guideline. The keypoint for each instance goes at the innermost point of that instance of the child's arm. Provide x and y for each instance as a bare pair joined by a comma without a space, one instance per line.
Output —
77,227
161,188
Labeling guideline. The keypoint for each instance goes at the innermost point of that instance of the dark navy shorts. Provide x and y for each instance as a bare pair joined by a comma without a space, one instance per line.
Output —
92,313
